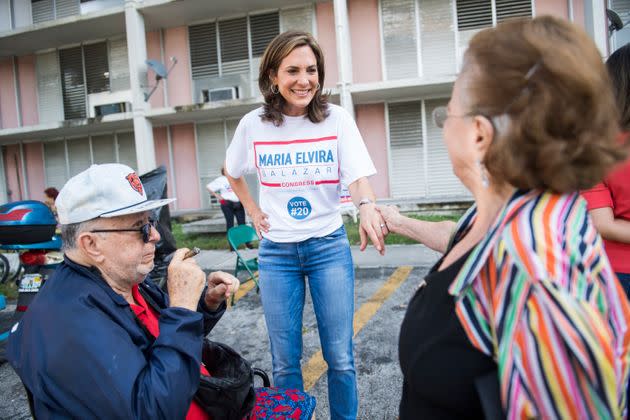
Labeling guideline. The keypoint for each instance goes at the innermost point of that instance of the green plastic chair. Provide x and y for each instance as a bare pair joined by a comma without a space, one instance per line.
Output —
237,236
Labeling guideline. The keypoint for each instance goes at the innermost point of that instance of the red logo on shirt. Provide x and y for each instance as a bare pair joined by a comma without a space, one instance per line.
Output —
135,183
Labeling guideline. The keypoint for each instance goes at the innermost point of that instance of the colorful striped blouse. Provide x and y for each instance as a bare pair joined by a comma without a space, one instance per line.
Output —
538,294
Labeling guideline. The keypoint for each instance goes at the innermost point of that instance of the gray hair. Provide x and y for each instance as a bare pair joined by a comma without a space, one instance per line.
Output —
70,233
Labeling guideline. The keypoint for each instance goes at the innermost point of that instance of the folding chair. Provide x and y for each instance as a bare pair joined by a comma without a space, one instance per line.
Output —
239,235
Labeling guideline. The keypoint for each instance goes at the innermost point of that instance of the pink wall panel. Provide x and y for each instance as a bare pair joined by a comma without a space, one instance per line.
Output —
160,141
179,84
557,8
154,52
371,122
28,90
365,40
13,172
8,110
578,13
327,41
33,155
185,162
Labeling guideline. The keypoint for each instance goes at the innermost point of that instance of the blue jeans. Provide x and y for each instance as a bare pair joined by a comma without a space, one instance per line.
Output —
327,263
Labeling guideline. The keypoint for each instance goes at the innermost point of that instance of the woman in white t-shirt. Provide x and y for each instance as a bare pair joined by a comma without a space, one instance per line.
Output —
230,206
302,149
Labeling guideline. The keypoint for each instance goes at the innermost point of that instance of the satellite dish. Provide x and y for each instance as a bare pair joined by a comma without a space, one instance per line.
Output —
160,73
616,24
158,68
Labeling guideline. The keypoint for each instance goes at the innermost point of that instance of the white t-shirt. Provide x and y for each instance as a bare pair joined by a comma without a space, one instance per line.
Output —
222,187
300,167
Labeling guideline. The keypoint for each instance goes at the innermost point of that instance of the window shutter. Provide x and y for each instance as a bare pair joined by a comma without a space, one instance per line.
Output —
211,152
103,149
442,181
300,19
55,164
49,92
71,63
79,158
234,52
119,65
127,150
22,14
264,28
5,15
399,38
96,67
622,37
43,11
65,8
474,14
405,137
507,9
203,50
438,37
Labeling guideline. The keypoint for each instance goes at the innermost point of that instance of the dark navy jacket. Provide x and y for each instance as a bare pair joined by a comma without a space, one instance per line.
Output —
80,351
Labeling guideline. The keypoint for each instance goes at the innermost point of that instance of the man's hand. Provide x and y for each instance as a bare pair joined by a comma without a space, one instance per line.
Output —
221,286
372,226
185,281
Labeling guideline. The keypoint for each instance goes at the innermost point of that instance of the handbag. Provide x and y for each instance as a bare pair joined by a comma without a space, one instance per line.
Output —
229,392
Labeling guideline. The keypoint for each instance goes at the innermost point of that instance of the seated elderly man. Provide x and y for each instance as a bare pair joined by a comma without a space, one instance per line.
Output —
82,348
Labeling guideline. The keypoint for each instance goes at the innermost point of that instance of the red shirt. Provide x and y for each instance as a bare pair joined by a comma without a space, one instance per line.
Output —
614,192
150,319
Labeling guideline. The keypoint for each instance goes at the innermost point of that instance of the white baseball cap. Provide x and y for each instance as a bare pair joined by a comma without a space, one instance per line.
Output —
107,190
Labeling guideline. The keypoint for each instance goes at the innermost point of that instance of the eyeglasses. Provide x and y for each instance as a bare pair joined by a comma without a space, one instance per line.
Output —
440,115
144,229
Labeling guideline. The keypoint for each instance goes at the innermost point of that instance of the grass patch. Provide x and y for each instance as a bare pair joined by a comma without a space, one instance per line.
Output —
9,289
219,241
201,241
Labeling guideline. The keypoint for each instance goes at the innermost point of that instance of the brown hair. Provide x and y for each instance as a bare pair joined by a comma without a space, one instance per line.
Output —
51,192
544,86
276,51
618,65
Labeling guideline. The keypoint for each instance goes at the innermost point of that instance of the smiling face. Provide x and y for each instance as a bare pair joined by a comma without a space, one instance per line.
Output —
297,80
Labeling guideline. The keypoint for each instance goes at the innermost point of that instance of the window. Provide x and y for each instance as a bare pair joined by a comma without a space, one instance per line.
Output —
418,38
477,14
226,63
46,10
78,73
622,37
420,166
65,158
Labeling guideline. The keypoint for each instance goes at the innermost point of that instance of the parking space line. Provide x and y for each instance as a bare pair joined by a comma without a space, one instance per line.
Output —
316,366
245,288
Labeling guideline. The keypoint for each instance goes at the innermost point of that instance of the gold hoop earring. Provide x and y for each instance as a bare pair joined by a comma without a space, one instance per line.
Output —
276,90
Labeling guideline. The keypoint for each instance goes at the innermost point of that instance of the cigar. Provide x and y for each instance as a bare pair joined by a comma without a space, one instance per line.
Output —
192,252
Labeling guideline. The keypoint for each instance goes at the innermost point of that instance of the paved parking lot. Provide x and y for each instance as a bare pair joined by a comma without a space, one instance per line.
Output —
380,303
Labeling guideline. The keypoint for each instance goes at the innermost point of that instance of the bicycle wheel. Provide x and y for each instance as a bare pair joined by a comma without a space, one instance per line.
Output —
4,268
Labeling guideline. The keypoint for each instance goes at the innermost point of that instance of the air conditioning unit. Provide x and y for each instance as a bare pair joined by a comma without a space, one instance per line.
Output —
106,109
220,94
105,103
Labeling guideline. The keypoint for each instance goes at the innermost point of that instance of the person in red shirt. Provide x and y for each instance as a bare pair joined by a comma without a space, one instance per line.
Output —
609,201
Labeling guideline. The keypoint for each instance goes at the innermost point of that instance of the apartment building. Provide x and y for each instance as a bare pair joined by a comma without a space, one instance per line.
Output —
74,80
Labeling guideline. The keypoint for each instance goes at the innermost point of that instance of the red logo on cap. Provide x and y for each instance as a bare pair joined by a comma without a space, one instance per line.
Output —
135,183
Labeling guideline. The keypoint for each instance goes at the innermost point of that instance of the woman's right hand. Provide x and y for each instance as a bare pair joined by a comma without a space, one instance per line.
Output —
261,224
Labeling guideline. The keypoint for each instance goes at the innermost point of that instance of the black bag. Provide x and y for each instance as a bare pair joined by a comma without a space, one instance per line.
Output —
229,392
